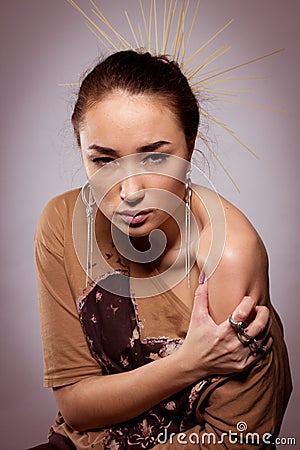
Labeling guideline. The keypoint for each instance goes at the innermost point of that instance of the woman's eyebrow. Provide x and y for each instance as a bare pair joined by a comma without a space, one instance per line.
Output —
144,148
153,146
104,150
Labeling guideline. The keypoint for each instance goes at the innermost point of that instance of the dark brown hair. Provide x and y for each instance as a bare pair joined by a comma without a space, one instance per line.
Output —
140,73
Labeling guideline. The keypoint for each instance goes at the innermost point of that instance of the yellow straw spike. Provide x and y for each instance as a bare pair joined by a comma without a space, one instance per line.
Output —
164,25
230,132
183,44
141,35
150,26
95,6
123,41
208,60
180,43
206,44
238,66
132,30
221,164
97,36
196,80
193,21
114,45
251,105
75,83
229,91
211,81
145,22
155,29
171,14
176,35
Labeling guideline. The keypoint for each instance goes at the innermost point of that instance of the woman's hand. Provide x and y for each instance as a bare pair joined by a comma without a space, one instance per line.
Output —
216,349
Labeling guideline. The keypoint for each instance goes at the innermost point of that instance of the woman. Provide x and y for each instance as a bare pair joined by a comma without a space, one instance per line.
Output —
143,353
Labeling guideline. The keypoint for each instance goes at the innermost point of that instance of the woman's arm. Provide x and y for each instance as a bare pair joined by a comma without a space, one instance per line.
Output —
243,268
237,266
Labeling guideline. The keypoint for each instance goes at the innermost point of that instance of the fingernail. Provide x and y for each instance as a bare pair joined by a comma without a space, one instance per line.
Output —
202,278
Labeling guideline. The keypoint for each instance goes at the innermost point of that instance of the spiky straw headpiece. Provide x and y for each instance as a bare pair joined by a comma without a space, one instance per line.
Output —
173,40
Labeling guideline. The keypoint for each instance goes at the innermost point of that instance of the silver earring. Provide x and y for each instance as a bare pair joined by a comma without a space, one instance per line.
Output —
89,202
188,193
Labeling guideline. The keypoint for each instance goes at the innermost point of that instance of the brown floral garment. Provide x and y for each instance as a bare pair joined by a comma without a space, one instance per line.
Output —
112,329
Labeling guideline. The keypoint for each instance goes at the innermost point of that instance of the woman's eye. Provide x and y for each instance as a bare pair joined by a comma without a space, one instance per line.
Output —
155,158
103,161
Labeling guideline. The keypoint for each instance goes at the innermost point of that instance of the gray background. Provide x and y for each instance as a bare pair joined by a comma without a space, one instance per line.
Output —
43,43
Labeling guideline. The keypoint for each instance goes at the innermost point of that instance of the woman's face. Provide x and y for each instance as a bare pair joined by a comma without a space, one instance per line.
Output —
136,157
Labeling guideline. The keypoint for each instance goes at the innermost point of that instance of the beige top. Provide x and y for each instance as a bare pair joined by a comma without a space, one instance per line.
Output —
257,397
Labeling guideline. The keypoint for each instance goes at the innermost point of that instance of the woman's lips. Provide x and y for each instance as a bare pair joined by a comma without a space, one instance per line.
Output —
134,217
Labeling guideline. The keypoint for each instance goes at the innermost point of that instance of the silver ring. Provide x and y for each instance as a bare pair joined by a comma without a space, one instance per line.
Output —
245,338
237,325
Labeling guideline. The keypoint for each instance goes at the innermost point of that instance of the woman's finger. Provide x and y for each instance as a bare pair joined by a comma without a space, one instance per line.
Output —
260,326
254,357
243,310
200,308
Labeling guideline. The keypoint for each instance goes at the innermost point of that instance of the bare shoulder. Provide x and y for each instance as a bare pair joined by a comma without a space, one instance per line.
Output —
239,265
213,212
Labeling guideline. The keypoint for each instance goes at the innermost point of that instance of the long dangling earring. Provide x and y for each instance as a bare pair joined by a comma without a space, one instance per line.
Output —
89,202
188,193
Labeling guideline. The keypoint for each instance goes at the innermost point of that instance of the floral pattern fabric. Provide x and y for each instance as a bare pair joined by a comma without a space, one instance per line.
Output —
112,328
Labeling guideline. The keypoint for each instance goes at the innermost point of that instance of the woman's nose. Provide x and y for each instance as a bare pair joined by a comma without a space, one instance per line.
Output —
131,190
